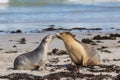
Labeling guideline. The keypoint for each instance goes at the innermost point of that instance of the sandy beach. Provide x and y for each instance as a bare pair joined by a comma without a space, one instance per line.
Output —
24,23
57,64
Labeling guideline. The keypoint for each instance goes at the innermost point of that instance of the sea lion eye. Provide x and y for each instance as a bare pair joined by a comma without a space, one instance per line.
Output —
61,33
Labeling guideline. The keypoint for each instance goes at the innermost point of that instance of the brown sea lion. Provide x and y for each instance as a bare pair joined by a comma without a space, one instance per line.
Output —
80,53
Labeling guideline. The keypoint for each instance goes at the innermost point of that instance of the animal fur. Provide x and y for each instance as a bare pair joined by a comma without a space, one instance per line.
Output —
34,59
80,53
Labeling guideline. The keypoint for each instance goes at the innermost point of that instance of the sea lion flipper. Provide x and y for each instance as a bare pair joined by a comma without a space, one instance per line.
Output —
72,63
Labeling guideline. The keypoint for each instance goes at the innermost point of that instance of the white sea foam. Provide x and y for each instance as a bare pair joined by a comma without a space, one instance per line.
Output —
91,1
4,1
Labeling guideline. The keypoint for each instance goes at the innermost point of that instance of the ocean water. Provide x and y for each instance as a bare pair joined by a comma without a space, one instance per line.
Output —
39,14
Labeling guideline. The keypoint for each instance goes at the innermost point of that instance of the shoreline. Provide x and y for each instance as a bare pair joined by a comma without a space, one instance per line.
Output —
53,28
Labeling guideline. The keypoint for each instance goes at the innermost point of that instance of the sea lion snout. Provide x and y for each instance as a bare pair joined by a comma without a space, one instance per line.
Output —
51,36
62,35
58,35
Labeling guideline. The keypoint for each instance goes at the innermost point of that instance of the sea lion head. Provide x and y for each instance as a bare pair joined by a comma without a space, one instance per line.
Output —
48,39
64,35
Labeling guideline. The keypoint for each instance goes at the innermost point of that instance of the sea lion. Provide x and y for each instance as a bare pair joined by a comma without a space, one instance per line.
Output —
36,58
80,53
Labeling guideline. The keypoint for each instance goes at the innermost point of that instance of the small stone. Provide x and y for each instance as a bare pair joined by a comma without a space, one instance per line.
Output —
88,41
22,41
14,46
18,31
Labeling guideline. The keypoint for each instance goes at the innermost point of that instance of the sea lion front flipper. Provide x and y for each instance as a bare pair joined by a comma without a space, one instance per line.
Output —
84,64
85,61
72,63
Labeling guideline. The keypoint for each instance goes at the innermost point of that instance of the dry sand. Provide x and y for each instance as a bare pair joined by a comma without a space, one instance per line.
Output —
11,48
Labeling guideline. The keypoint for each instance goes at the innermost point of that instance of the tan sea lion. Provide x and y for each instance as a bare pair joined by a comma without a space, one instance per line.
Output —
80,53
36,58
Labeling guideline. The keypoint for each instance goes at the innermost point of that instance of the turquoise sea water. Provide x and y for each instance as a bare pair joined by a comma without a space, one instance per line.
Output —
39,14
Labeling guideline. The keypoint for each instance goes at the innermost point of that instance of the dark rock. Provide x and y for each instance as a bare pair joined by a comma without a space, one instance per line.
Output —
67,60
14,46
62,29
98,37
118,41
11,51
61,52
10,40
57,52
75,75
116,59
52,70
117,29
77,28
106,51
95,29
117,46
49,29
88,29
111,36
17,31
54,29
99,41
20,76
50,53
88,41
115,35
1,48
22,41
89,34
103,47
52,25
106,60
2,31
58,76
35,31
112,28
54,51
54,60
12,32
118,77
106,68
94,43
